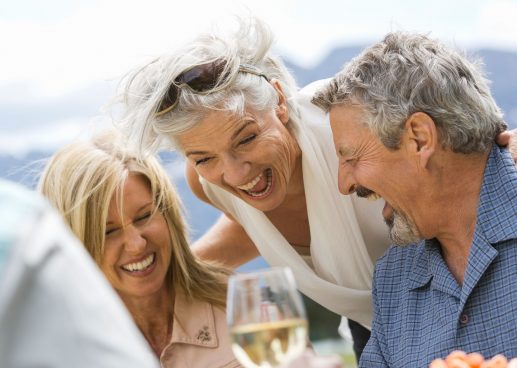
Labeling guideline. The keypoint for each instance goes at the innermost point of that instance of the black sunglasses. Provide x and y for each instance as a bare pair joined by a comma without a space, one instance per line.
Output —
202,79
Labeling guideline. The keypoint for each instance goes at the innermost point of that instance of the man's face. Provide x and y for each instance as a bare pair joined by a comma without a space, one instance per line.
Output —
371,170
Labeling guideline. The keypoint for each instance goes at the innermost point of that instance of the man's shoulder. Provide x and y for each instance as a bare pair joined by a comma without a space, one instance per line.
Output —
393,268
397,256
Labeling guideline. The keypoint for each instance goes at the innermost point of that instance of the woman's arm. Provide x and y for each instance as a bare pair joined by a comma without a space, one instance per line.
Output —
226,241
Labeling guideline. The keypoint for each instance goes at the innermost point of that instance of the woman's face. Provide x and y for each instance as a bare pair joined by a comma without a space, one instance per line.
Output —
251,156
137,249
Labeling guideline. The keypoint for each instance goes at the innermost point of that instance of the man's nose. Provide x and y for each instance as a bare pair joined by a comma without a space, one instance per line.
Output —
346,182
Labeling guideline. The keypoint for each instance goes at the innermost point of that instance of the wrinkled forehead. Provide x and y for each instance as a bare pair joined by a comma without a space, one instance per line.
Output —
348,124
352,114
215,127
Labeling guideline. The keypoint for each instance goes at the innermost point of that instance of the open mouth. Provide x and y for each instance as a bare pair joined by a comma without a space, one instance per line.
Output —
141,266
373,197
367,193
387,210
260,186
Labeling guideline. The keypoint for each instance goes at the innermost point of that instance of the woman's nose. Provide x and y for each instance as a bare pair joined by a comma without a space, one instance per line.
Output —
235,170
134,239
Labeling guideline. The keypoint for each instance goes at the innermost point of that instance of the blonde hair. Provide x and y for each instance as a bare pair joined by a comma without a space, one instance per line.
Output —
80,181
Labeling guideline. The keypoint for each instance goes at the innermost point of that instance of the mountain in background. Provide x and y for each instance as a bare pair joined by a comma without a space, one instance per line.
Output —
501,67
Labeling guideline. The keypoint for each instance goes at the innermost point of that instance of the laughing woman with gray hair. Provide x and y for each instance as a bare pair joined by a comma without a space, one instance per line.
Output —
259,151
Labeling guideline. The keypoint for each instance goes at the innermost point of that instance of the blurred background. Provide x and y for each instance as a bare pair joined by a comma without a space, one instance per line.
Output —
61,60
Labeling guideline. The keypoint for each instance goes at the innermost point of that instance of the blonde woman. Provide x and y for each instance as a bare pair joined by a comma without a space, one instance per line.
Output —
128,215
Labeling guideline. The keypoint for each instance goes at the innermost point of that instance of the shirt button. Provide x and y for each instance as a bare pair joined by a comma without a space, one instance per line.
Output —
464,319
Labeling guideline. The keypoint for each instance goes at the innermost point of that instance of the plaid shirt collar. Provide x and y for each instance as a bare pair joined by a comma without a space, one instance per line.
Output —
496,222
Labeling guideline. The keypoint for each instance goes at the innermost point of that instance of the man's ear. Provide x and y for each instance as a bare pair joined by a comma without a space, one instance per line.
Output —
422,137
282,110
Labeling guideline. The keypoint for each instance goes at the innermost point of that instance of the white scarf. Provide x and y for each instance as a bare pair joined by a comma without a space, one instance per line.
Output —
342,275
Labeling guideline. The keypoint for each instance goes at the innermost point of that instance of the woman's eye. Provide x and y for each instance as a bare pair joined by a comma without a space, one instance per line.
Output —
109,231
202,161
144,217
248,139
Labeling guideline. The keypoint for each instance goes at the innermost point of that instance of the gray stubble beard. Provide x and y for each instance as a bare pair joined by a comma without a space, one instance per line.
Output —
403,231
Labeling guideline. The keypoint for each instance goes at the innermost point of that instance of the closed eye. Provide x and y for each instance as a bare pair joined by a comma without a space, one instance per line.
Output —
248,139
202,161
143,217
349,161
110,231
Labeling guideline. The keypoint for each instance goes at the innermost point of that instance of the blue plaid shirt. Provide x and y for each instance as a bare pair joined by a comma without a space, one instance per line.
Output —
421,313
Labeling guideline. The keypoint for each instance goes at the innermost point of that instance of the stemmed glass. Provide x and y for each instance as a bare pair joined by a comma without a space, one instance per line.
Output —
266,317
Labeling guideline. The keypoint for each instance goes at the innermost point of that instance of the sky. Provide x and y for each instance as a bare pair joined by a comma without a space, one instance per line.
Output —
61,59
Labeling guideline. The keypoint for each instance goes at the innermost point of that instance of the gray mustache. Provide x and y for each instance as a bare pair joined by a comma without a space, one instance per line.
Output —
363,192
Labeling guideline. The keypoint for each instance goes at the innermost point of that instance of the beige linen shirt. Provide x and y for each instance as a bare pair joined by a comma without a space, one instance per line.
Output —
200,337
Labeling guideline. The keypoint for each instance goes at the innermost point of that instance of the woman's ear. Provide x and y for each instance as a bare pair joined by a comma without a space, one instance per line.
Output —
282,110
422,137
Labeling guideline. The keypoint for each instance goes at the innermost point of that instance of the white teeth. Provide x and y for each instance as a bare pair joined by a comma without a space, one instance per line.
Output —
251,184
373,197
268,186
139,266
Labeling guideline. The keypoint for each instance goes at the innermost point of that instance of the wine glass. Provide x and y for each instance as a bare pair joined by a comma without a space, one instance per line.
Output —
266,318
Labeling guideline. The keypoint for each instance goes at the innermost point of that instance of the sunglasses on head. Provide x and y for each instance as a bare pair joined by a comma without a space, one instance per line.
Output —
202,79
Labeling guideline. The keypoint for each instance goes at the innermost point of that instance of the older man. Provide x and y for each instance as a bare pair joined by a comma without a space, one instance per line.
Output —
414,122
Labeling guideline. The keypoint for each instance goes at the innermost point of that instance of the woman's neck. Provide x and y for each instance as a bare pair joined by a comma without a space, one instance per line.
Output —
153,316
296,189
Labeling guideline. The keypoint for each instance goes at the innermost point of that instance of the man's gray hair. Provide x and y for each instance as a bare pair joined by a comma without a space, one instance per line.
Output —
143,89
407,73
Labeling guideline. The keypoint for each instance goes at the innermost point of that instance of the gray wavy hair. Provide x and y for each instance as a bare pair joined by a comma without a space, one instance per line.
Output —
143,89
407,73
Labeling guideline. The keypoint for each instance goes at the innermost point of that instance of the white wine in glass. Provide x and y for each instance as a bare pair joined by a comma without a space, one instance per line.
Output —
266,317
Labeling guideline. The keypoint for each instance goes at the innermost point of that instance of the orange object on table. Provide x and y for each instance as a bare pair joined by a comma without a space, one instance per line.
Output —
460,359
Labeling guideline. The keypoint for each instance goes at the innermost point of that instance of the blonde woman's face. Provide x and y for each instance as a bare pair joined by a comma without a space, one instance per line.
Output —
252,157
137,250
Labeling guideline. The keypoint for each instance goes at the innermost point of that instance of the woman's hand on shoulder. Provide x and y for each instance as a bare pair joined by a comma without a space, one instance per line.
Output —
508,138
